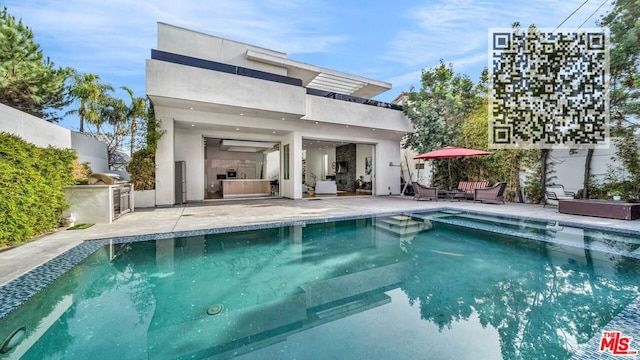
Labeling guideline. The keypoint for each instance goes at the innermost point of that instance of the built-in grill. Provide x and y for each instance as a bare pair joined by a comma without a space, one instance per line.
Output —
121,192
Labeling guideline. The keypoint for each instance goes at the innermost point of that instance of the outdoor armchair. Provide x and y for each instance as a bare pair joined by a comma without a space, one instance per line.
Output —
494,194
557,193
424,193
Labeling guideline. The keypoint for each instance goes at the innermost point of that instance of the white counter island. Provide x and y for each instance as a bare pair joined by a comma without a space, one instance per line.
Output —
245,188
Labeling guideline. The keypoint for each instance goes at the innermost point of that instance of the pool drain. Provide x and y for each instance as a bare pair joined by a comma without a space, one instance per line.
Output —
13,340
215,309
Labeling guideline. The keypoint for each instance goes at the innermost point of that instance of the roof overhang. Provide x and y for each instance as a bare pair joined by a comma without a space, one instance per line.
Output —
324,79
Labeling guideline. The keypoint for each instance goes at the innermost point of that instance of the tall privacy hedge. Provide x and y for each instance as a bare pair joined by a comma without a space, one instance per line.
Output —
32,182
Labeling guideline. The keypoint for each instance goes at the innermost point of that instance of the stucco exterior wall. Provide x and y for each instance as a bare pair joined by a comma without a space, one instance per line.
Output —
569,168
43,134
190,148
92,151
209,47
339,112
32,129
165,171
387,178
214,87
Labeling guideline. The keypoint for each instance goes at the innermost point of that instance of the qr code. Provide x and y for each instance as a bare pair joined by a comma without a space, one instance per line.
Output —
548,89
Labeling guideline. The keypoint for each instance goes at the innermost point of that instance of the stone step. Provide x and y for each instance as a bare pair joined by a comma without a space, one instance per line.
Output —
400,225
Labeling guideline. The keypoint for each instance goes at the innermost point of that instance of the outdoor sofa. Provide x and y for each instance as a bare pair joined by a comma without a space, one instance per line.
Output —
469,187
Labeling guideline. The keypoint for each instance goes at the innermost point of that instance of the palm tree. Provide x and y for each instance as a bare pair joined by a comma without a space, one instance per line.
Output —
137,109
87,88
115,112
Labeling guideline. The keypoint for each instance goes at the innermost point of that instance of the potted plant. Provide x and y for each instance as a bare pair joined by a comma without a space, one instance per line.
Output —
616,194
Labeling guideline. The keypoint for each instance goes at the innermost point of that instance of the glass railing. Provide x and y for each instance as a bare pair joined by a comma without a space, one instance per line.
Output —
355,99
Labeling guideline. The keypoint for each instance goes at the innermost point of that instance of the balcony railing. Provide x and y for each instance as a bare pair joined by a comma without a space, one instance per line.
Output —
355,99
262,75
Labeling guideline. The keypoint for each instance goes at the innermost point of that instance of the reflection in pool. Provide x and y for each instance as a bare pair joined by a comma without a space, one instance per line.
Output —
383,287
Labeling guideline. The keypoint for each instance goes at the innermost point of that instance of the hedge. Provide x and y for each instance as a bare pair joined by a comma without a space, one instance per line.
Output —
32,182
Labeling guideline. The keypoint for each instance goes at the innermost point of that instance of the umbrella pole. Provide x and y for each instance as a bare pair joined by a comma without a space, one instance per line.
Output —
433,174
449,168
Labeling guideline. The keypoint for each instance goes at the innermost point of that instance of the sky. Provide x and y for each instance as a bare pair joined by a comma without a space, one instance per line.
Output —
386,41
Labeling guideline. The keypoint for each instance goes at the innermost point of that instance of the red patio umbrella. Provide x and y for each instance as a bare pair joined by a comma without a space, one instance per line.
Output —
450,152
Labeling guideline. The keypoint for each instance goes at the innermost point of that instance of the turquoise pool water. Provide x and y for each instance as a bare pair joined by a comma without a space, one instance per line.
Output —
394,287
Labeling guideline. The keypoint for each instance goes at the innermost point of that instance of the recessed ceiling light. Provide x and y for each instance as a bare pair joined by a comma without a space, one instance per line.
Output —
347,125
237,129
274,132
316,123
373,129
191,108
241,114
193,124
283,118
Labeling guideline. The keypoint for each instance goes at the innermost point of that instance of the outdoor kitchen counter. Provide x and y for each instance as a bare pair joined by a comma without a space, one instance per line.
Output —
245,188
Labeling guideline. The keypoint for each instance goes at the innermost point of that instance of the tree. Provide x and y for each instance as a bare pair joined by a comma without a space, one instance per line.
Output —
114,112
137,109
502,165
142,166
87,89
28,81
624,28
443,102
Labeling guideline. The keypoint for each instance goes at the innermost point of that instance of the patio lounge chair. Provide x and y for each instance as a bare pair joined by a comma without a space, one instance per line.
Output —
424,193
494,194
557,193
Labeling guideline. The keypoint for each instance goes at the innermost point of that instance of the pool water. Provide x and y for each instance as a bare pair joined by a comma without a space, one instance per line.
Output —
393,287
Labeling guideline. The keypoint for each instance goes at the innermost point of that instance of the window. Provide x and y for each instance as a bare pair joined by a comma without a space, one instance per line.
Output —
285,162
325,166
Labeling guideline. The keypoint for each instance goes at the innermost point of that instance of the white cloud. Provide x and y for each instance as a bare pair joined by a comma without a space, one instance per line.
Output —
450,29
115,37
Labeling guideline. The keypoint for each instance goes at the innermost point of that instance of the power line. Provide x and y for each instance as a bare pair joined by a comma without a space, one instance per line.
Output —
570,15
593,13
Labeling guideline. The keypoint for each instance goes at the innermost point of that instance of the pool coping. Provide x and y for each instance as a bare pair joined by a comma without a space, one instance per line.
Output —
19,290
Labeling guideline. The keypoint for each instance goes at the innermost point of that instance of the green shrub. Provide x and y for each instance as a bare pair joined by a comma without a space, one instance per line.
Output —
32,182
80,172
142,168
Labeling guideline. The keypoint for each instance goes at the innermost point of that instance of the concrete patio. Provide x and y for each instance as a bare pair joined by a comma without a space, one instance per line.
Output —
216,214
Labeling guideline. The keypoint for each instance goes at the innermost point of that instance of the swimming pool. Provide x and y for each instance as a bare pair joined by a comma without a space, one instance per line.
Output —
435,285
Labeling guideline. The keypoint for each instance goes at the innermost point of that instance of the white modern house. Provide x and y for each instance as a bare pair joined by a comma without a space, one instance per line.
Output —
239,119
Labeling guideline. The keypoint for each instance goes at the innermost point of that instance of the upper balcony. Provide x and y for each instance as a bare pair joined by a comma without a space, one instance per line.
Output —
177,76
